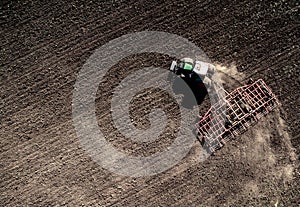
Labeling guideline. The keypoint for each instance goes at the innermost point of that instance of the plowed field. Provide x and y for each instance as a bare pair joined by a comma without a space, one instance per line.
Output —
43,46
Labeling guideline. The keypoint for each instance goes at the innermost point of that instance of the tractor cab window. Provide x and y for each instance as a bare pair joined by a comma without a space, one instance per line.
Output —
188,66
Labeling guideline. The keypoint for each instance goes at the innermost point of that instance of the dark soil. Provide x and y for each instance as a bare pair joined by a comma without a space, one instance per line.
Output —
45,44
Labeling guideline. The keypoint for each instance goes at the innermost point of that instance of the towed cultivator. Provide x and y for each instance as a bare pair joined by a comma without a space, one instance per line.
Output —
233,114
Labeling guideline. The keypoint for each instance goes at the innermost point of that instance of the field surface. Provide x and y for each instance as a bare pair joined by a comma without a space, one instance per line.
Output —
44,45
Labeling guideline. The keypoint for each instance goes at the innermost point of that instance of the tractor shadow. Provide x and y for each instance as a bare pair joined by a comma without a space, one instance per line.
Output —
197,87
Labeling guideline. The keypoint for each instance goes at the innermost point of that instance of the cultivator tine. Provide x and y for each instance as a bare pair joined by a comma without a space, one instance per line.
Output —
241,109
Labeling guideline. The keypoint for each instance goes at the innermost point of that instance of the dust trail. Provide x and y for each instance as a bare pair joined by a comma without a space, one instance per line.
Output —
282,131
265,156
230,70
261,150
258,149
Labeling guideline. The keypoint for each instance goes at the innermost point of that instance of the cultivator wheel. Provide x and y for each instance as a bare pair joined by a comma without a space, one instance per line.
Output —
234,113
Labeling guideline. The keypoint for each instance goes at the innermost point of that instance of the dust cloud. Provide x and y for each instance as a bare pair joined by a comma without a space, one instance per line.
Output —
229,71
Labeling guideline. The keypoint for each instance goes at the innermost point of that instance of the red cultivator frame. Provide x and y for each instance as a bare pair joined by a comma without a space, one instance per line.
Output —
235,113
